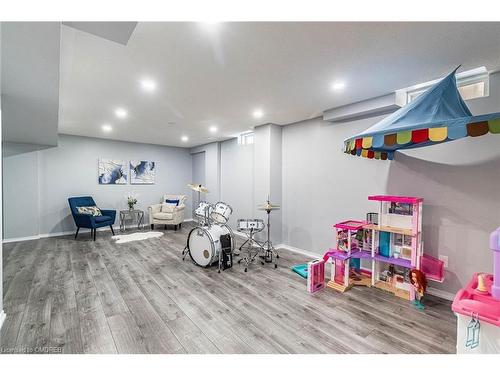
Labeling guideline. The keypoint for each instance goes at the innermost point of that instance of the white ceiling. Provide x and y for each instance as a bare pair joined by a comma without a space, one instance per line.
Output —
118,32
219,76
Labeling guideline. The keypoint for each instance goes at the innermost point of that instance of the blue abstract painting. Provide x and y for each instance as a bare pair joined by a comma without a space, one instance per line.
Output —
142,172
112,172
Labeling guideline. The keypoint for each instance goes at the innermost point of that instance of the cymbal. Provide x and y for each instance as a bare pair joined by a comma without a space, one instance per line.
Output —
198,188
268,207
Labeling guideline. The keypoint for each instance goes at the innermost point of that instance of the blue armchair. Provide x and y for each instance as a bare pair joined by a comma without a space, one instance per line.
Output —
89,221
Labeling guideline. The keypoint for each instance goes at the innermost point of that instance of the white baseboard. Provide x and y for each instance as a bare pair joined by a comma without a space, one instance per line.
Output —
66,233
297,250
2,317
18,239
440,293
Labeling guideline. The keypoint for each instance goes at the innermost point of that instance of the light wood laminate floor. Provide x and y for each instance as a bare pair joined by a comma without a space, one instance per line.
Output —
79,296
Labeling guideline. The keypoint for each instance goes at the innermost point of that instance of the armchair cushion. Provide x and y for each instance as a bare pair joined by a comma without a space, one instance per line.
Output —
100,219
165,207
110,213
174,202
163,216
182,198
89,210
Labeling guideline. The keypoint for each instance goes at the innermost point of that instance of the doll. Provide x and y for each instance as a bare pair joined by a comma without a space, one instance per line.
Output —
419,284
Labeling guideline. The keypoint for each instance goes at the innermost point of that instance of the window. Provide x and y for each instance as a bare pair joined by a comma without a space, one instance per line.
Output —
471,84
246,138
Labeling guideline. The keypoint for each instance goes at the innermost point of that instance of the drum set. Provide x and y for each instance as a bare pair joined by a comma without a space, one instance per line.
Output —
212,240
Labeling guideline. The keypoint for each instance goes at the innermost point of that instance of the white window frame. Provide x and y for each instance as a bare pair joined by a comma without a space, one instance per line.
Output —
246,138
463,79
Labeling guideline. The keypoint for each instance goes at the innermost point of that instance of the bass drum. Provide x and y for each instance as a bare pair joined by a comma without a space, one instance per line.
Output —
204,243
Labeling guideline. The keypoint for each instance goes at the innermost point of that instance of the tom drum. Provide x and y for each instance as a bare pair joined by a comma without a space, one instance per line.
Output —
221,213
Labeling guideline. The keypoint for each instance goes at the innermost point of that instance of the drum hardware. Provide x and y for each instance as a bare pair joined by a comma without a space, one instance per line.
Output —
226,252
250,227
267,246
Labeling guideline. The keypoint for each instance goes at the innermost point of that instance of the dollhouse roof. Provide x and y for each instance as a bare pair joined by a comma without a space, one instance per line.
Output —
395,198
438,115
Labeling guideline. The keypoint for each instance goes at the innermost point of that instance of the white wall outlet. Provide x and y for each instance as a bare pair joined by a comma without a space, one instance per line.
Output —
444,258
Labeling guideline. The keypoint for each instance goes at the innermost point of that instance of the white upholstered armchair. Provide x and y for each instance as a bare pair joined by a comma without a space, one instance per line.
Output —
168,214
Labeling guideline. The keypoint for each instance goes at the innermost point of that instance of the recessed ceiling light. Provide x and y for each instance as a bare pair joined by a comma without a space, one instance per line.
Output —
121,113
258,113
213,129
337,86
106,128
211,26
148,84
184,138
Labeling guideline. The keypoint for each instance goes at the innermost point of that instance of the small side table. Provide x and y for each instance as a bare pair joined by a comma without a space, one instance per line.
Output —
133,214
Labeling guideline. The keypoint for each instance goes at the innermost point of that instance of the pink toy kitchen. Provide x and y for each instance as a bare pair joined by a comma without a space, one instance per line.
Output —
477,307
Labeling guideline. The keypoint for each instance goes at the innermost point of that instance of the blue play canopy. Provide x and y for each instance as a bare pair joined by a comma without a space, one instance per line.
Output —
436,116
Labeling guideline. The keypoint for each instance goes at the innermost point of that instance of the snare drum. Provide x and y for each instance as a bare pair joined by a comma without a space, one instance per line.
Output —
250,225
203,211
221,212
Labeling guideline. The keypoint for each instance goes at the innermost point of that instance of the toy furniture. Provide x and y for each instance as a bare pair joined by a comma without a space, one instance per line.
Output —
477,307
168,214
315,275
107,219
381,253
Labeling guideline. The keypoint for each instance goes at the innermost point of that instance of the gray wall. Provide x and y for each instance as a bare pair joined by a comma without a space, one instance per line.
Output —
30,81
276,181
20,194
38,184
248,174
237,176
459,183
198,176
229,175
212,169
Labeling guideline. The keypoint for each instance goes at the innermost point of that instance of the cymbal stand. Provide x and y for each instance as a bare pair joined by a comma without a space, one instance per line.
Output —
194,206
267,246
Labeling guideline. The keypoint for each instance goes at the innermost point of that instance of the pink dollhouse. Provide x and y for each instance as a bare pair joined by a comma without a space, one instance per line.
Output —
349,248
379,254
